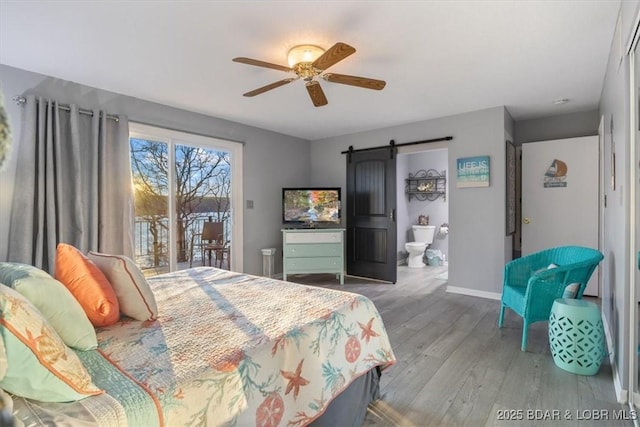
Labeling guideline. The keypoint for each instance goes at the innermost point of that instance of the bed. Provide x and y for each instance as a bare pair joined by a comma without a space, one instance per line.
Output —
231,349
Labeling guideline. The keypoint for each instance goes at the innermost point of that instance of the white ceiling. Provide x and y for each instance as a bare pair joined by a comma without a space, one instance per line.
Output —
437,57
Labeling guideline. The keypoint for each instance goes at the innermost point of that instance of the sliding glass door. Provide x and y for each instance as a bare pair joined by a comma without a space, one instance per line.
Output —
182,181
149,163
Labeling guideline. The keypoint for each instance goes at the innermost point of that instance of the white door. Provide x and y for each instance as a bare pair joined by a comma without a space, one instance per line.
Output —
560,196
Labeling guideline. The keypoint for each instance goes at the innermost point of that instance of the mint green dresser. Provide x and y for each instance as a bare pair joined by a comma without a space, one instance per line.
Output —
313,251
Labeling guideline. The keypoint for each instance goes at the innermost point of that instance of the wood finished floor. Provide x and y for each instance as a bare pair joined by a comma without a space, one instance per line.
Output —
456,368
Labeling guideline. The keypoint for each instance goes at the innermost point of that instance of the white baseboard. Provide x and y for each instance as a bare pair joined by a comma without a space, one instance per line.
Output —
474,293
622,395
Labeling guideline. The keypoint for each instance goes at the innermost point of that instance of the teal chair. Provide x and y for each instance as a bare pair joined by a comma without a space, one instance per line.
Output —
533,282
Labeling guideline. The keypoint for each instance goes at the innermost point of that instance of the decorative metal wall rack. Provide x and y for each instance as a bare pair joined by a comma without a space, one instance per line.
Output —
426,185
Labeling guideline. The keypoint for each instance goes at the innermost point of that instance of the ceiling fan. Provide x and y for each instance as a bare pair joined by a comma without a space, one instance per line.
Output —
309,63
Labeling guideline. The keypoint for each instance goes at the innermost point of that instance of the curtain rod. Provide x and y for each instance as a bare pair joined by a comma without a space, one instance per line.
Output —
20,100
392,143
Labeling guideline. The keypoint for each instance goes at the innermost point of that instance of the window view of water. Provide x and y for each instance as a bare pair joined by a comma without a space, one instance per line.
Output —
152,252
201,183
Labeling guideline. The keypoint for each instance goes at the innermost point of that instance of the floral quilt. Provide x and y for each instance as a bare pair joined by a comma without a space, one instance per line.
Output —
234,349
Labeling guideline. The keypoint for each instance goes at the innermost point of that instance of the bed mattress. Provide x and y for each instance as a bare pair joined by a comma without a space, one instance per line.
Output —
227,349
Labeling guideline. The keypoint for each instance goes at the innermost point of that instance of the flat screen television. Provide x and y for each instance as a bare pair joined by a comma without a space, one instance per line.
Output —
310,206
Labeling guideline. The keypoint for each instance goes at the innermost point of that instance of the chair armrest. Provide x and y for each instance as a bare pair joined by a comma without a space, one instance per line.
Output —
521,271
558,278
221,242
518,271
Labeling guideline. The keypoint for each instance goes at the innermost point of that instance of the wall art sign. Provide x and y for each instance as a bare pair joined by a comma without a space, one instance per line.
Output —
556,175
472,172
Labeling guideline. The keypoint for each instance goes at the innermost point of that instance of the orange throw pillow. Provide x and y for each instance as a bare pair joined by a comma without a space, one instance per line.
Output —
88,285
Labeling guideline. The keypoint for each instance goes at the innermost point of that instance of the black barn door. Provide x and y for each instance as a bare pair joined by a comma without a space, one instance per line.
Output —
371,210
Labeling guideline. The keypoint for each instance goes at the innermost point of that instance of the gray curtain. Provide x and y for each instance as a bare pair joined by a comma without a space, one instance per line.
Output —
73,184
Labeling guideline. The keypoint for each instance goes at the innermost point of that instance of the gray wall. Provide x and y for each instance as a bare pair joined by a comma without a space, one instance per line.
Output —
283,159
617,222
572,125
477,239
402,211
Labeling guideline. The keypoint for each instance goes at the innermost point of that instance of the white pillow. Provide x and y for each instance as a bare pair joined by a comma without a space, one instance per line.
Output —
571,291
132,290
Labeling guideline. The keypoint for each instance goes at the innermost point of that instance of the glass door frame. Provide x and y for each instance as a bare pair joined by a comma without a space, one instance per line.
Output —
173,138
633,52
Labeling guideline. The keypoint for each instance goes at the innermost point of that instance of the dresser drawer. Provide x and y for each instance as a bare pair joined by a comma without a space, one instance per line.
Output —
313,250
313,265
313,237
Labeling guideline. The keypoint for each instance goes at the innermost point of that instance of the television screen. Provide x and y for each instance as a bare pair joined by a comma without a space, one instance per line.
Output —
310,205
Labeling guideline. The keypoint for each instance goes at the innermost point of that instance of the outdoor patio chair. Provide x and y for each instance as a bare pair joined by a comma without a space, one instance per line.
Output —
211,241
533,282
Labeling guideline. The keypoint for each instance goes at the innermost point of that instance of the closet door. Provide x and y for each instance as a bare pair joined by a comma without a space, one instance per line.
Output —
560,196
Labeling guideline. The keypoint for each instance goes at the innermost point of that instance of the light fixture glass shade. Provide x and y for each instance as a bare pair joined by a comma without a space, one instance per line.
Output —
304,53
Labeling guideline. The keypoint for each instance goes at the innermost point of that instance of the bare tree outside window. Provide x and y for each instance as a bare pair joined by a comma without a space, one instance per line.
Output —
202,189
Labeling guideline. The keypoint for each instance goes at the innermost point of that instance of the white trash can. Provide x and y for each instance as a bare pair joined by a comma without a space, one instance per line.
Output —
268,262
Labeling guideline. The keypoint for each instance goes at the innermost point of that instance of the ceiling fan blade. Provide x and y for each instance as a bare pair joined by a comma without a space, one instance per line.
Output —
364,82
335,54
270,86
257,63
316,93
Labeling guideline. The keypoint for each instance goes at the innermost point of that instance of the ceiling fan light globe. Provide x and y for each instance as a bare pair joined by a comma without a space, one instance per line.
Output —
303,53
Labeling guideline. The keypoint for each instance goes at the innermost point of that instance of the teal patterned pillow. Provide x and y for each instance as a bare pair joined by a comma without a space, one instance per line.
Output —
39,365
54,301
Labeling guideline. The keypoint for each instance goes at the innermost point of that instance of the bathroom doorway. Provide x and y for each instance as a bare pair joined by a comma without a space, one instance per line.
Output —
424,201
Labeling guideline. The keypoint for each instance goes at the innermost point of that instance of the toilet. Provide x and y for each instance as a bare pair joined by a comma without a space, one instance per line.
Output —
423,237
